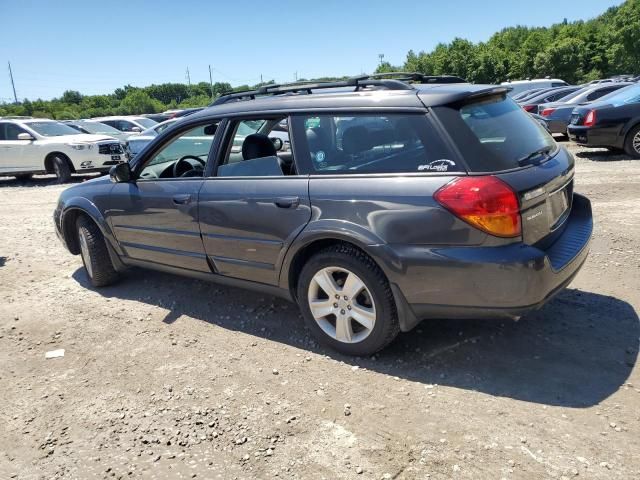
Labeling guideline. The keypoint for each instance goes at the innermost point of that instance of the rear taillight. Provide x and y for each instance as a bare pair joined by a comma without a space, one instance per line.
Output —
548,111
590,119
485,202
529,108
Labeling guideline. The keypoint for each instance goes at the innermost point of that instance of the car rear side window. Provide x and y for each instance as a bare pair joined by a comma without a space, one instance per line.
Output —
494,133
376,143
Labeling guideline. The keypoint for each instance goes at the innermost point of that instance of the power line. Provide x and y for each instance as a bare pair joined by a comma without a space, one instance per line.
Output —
13,85
211,82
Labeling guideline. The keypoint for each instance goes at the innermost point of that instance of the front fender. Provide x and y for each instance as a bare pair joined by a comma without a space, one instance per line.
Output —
71,208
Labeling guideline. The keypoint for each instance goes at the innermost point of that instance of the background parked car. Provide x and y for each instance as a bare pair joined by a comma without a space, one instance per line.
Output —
157,117
29,146
519,86
530,104
137,142
613,122
527,93
129,124
558,114
97,128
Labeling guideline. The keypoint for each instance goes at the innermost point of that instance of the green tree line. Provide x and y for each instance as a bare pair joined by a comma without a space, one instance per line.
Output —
573,51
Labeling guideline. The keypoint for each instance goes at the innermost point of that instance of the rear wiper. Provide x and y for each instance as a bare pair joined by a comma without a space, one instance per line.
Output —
544,151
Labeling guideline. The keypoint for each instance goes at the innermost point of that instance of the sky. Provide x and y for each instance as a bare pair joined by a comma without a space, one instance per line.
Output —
96,46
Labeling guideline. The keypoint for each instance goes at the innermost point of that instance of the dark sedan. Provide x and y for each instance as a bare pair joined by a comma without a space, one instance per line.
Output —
558,114
531,104
613,123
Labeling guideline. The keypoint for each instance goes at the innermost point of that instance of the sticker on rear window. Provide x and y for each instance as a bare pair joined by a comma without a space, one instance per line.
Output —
440,165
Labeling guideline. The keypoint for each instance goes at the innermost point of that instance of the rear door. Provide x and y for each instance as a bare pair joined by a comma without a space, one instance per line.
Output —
253,206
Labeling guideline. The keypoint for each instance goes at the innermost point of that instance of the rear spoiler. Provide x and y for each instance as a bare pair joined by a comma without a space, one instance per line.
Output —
440,96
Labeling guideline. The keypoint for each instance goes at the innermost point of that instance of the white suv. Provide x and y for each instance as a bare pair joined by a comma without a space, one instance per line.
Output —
30,145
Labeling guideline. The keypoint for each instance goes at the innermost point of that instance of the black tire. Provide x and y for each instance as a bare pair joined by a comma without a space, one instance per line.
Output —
96,259
386,326
23,177
629,142
61,169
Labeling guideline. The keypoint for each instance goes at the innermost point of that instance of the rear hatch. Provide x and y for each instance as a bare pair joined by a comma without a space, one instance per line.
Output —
496,137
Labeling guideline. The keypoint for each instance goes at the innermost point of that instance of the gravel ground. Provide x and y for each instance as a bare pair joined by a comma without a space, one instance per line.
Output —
166,377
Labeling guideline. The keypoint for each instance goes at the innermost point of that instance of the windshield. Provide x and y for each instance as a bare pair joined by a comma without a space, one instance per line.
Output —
52,129
146,122
496,134
630,94
99,128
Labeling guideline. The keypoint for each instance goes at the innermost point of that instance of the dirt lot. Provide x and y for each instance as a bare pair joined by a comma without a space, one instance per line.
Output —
165,377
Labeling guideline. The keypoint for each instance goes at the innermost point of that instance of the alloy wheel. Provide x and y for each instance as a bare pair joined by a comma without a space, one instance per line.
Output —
636,142
341,304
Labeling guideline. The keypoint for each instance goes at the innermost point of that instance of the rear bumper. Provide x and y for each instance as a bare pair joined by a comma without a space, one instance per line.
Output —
490,282
595,137
557,126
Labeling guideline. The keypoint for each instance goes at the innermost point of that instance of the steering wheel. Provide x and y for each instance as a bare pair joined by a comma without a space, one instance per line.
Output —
184,166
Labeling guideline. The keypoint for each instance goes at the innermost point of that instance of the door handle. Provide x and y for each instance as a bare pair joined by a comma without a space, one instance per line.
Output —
287,202
182,199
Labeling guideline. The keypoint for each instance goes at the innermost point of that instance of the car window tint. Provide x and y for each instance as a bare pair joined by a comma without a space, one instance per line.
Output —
257,147
494,133
195,143
386,143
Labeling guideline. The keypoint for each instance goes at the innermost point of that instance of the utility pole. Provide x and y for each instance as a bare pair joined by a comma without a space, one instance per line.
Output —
211,81
188,77
381,57
260,78
15,97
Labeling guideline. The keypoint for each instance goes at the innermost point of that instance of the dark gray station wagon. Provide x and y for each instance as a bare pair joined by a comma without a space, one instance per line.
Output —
374,203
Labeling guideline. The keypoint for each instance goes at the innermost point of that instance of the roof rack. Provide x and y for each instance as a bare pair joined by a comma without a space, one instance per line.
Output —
383,80
16,117
420,77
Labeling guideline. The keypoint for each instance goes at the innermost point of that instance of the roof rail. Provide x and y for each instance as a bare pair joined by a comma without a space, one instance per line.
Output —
382,80
309,87
419,77
15,117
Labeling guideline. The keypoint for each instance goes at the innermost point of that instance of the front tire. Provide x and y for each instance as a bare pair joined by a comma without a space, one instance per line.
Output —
632,142
61,169
346,301
94,253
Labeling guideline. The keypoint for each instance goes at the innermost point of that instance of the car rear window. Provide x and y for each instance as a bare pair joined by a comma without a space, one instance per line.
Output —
376,143
494,133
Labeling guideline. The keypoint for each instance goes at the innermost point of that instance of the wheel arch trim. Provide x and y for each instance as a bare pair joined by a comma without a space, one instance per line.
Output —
80,205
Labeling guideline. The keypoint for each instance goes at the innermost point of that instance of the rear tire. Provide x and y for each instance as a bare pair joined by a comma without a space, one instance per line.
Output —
365,319
61,169
94,253
632,142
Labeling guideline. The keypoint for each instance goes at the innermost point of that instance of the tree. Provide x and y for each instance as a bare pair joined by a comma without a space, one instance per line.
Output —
71,96
137,101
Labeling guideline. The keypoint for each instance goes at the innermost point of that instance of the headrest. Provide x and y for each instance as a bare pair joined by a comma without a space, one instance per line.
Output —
257,145
356,140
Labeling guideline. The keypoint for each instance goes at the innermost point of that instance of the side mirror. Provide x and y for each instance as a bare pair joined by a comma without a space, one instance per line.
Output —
25,136
120,173
277,143
136,129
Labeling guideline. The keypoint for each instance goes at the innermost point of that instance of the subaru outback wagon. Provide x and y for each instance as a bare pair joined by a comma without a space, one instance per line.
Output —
399,200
